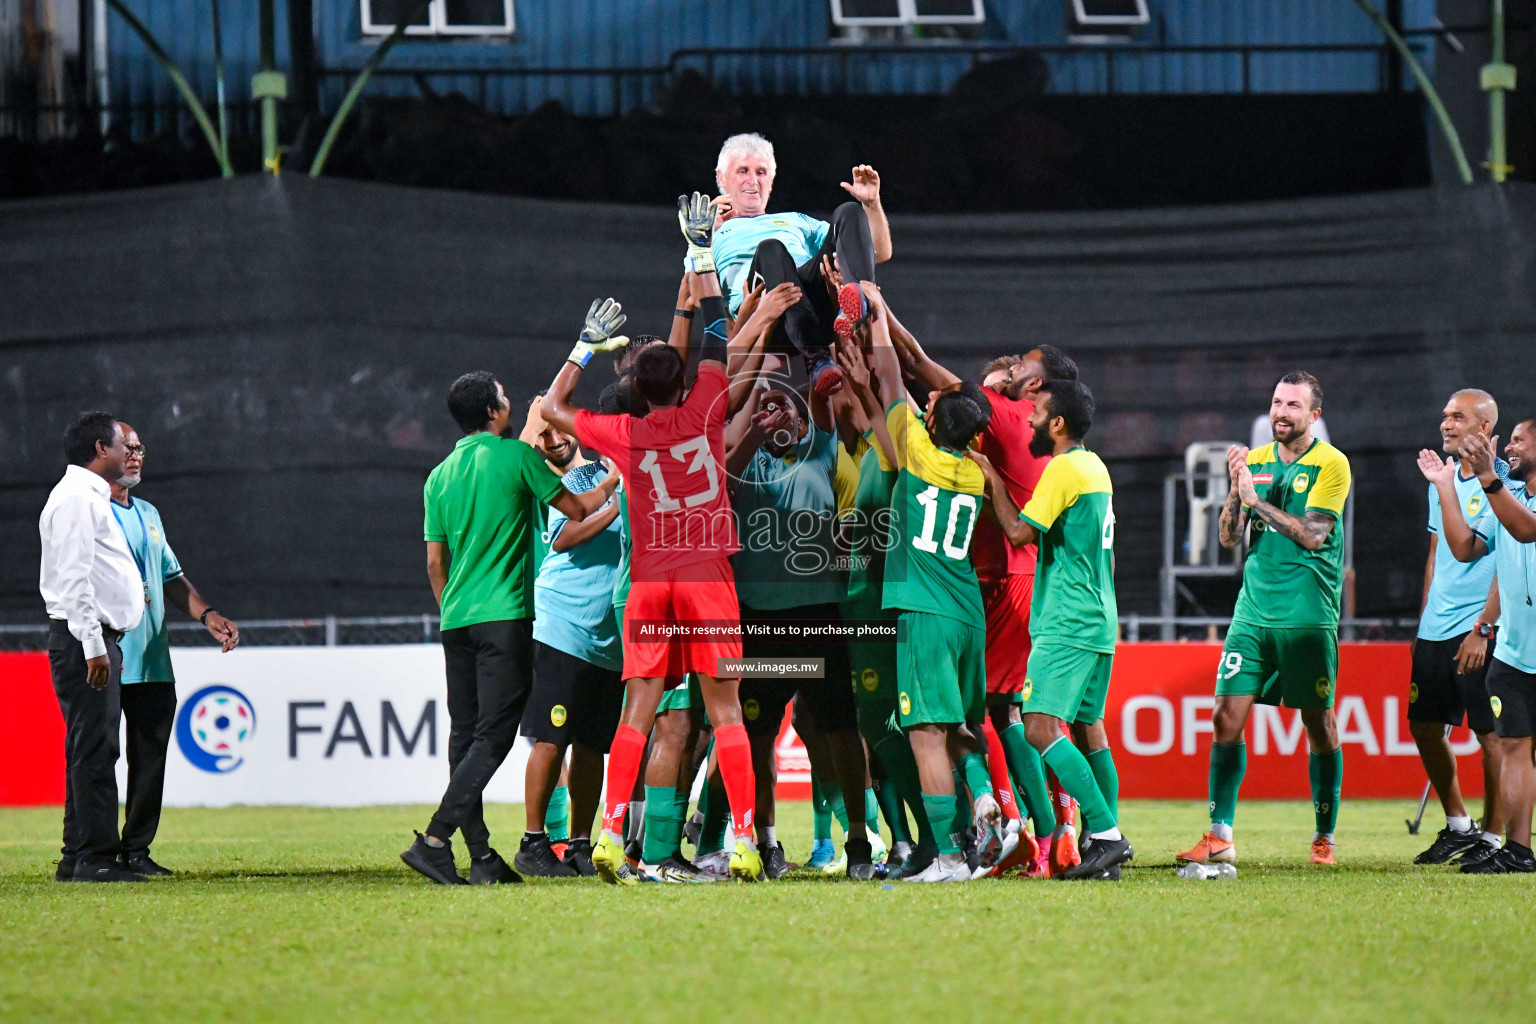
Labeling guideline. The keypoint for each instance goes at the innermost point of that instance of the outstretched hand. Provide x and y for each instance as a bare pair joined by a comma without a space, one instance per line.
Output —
1479,451
865,186
776,302
1434,470
599,331
850,357
696,216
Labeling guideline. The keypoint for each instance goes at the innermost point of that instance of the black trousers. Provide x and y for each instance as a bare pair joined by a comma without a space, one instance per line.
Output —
90,744
150,711
807,325
490,675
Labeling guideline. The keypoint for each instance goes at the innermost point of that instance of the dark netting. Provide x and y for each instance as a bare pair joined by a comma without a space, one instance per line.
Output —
284,345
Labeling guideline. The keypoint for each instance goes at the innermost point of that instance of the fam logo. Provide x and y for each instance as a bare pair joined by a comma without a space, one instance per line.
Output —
215,726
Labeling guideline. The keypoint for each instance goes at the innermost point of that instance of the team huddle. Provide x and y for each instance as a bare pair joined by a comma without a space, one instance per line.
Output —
918,568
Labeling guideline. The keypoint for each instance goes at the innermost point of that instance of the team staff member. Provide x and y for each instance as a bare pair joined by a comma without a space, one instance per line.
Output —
1512,676
1450,653
479,530
94,595
148,683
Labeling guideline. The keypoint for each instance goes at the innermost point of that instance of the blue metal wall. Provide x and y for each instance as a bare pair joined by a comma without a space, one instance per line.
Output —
591,34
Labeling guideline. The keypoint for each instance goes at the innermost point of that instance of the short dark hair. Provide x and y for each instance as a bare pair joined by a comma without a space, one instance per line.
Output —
471,398
84,431
1073,402
1304,378
625,357
1056,364
620,397
658,373
960,415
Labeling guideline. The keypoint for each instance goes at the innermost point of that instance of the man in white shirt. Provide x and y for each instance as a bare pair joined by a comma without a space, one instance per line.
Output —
94,593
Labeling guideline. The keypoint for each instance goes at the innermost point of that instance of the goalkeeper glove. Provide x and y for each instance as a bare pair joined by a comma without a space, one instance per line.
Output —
697,219
597,333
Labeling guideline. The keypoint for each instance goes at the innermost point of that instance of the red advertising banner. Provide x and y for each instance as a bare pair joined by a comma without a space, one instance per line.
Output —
1159,723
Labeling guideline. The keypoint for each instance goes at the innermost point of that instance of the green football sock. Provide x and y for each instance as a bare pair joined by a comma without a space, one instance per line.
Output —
663,824
871,811
1072,771
942,808
901,769
557,816
717,816
1327,774
962,818
835,801
1028,773
889,797
1103,764
821,811
978,779
1229,762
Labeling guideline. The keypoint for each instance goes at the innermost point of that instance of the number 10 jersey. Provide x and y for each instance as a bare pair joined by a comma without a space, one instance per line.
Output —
673,462
935,504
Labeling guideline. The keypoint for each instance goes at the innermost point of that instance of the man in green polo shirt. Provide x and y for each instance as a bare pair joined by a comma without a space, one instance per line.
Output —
479,528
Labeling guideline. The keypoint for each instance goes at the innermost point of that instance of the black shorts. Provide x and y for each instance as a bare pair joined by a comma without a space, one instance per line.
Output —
829,699
573,701
1438,693
1513,694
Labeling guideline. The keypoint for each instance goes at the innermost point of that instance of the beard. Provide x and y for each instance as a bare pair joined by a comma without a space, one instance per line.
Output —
128,482
1041,446
561,463
1285,432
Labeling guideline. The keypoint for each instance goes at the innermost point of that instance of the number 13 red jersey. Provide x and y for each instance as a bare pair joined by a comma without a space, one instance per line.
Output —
673,462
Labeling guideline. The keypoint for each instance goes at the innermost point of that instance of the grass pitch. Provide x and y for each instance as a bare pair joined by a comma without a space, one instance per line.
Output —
296,914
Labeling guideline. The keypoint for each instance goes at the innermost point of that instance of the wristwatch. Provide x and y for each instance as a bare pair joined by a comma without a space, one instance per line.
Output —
1486,629
1495,487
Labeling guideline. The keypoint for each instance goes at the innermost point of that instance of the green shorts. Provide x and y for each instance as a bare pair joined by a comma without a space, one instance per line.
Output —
1064,682
875,690
1296,666
681,698
941,668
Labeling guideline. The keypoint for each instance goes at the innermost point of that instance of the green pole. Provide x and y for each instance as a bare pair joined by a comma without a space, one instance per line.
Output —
1497,79
350,99
218,76
268,85
178,80
1425,86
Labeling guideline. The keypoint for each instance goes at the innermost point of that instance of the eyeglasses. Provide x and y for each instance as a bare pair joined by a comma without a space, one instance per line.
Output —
135,449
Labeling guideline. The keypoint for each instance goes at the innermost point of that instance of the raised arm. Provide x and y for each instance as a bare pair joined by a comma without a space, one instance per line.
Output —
682,318
865,187
862,383
599,333
927,372
1516,518
760,426
1019,532
1234,518
749,344
1464,545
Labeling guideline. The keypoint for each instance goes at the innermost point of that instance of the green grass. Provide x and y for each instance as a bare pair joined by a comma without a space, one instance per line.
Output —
296,914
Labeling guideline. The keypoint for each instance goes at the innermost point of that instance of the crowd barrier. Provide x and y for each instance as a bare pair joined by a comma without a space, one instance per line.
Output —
352,726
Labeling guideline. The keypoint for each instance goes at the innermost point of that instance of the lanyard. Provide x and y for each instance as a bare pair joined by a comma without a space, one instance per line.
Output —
143,531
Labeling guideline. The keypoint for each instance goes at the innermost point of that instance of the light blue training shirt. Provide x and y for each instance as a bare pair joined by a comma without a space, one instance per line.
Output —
1458,590
147,648
786,514
735,243
1516,565
573,591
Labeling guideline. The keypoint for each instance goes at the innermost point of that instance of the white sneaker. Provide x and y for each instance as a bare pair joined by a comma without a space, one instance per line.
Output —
1006,840
948,867
716,865
993,842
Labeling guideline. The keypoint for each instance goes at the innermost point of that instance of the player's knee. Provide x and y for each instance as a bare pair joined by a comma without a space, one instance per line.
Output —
1426,733
847,214
771,251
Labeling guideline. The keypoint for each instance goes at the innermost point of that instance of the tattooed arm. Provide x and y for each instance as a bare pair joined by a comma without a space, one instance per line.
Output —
1308,531
1234,518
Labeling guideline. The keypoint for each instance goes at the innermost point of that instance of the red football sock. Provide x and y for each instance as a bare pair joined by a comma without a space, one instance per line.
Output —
734,753
623,768
997,767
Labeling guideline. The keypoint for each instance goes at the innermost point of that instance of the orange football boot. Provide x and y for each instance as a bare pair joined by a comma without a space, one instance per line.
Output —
1211,849
1064,852
1322,851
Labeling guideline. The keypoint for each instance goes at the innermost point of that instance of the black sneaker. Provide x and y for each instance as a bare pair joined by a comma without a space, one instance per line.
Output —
1511,859
1477,854
107,869
774,864
1111,875
1099,856
139,863
436,862
535,857
492,870
633,848
972,850
65,872
861,866
578,857
681,870
916,863
1449,843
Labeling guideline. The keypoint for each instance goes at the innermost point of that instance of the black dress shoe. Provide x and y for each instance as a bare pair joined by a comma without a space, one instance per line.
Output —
65,872
105,869
578,857
139,863
436,862
536,857
492,870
